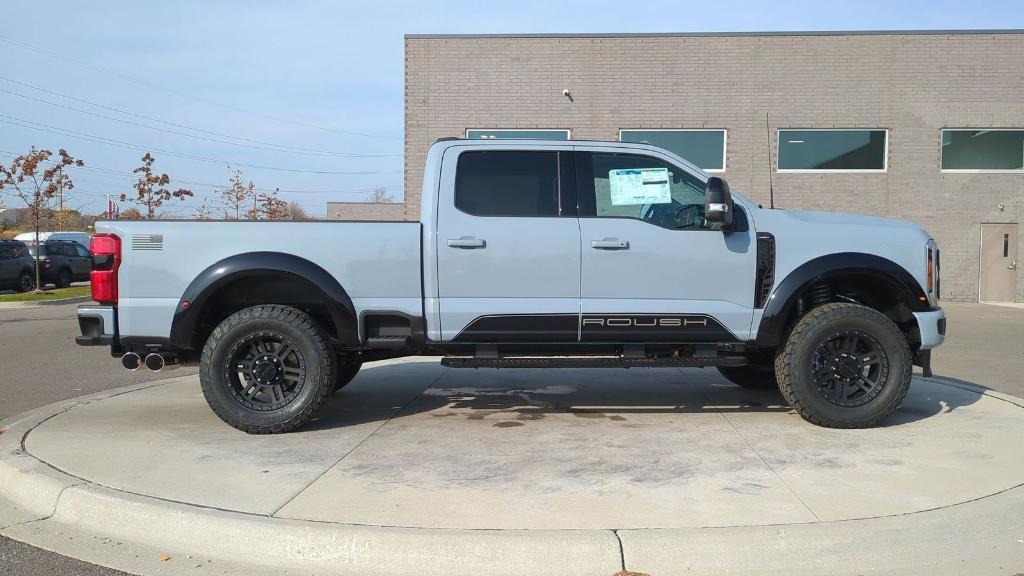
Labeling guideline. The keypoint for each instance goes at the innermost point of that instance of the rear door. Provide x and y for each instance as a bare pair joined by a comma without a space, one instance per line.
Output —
652,268
508,246
8,266
82,265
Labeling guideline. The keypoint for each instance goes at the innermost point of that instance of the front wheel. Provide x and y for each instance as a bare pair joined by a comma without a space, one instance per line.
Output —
64,278
26,281
267,369
844,366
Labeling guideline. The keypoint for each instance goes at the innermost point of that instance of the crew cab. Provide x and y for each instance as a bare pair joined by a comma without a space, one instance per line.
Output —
529,253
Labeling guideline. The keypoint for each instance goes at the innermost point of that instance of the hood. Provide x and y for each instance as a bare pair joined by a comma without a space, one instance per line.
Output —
844,218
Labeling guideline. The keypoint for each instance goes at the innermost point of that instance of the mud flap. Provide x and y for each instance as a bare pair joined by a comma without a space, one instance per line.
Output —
924,360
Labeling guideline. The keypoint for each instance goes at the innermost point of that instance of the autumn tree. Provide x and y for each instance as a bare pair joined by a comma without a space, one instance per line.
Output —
267,206
130,214
297,212
381,196
151,191
29,179
236,196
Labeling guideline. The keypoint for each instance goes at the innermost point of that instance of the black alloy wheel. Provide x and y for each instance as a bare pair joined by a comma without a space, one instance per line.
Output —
264,371
850,368
26,282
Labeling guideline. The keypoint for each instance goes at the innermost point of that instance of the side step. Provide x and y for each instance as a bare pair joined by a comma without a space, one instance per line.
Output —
387,342
585,362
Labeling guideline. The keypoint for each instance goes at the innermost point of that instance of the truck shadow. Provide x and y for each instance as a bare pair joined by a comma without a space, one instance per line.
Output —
514,397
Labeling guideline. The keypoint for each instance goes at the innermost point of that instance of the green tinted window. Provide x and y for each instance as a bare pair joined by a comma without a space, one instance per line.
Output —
507,134
705,148
832,150
983,149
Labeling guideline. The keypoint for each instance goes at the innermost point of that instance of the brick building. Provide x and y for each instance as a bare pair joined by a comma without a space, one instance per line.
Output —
915,125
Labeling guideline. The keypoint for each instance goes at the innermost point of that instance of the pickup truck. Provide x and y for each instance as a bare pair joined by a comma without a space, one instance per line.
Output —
527,254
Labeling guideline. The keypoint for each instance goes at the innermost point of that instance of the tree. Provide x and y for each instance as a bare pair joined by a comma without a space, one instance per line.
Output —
297,212
236,196
204,212
151,190
267,206
37,186
381,196
130,214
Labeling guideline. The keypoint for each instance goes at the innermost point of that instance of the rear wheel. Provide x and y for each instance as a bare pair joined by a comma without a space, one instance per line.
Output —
752,376
64,278
267,369
844,366
26,281
347,370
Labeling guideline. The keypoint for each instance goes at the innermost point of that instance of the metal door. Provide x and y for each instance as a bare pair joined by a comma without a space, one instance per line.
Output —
998,262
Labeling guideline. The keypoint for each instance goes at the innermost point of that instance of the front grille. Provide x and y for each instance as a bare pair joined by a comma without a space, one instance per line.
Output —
765,278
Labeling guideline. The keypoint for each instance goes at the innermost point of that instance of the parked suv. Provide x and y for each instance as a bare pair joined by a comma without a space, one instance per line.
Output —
62,262
16,267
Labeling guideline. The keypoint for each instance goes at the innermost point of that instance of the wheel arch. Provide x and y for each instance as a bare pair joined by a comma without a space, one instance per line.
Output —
880,281
284,278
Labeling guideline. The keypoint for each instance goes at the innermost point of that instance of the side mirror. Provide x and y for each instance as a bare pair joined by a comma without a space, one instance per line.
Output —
718,206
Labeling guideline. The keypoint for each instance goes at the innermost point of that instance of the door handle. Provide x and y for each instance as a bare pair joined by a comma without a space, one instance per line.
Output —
467,242
1013,265
610,244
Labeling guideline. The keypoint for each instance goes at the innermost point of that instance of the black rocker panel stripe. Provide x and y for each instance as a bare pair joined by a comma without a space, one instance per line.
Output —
596,328
521,328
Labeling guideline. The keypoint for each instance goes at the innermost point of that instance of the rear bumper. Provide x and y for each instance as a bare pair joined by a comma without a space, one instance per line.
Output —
932,327
98,325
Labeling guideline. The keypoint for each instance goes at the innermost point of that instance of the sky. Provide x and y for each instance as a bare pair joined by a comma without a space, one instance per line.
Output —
307,96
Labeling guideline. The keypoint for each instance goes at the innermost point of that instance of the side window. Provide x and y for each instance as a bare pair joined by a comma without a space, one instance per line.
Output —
645,188
507,183
81,250
68,250
6,253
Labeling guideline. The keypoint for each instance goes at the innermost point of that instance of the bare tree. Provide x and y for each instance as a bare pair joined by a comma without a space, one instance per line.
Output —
381,196
204,211
267,206
27,179
151,190
130,214
297,212
236,196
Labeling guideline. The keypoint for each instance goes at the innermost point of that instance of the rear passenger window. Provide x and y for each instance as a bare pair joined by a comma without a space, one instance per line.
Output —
507,183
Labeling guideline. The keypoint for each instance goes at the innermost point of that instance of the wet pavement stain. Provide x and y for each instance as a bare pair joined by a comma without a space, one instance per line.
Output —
617,418
507,424
587,414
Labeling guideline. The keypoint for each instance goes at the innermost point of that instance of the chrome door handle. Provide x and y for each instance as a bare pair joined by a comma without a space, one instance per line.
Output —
1013,265
610,244
467,242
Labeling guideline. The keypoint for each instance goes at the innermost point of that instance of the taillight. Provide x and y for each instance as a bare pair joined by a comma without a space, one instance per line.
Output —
106,259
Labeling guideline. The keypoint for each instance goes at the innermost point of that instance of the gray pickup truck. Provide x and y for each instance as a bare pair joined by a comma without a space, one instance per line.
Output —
529,254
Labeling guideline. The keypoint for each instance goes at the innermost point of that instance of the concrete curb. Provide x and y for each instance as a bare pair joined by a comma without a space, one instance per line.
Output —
75,300
39,503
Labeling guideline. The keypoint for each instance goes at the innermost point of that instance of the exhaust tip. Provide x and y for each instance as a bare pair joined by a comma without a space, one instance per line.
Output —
155,362
131,361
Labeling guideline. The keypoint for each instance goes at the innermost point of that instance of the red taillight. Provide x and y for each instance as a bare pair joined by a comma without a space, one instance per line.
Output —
106,258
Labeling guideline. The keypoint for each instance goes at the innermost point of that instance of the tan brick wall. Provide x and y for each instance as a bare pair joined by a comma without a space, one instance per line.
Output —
911,84
365,211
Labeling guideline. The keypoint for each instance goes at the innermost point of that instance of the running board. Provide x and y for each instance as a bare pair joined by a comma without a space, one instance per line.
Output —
584,362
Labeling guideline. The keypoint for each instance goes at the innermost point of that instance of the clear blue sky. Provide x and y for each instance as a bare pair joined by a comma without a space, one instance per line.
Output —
320,76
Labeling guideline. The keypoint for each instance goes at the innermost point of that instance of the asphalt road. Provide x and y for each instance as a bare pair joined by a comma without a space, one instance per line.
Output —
40,364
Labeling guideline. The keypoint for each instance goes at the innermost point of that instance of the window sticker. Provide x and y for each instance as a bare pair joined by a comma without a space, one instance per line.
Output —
633,186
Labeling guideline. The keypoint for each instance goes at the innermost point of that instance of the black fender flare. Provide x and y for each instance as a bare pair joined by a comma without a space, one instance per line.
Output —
784,297
252,264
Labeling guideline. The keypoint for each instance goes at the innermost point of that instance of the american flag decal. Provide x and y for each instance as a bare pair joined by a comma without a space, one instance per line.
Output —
147,241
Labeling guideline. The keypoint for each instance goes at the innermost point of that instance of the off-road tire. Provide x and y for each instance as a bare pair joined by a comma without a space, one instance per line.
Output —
793,366
347,370
63,278
751,376
26,282
308,338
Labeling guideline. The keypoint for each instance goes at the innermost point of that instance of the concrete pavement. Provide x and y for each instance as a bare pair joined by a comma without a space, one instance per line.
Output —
606,450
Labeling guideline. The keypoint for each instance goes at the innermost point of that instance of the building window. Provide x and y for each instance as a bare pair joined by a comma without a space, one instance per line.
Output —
507,183
703,148
832,150
974,150
517,133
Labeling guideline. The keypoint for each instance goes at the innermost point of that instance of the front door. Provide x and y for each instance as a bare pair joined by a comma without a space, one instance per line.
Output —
508,246
653,268
998,262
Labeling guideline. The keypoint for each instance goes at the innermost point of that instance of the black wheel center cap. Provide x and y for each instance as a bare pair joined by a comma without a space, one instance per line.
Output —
846,366
265,370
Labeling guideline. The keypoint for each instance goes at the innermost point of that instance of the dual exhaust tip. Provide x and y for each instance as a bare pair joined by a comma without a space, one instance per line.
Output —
154,362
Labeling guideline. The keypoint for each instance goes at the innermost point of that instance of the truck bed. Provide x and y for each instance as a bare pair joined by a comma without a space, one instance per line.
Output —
378,263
